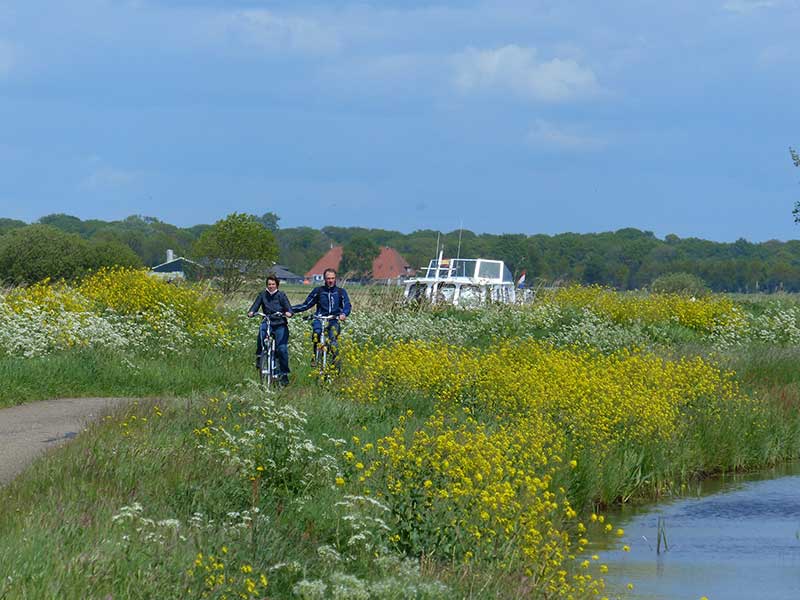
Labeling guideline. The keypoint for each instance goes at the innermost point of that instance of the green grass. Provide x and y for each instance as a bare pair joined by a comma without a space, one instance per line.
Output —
106,373
765,366
58,538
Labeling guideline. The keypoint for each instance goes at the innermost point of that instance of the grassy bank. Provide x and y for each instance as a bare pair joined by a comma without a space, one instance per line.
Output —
90,372
135,509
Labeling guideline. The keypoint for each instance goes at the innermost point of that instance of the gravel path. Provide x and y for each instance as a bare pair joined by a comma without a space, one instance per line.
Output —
26,431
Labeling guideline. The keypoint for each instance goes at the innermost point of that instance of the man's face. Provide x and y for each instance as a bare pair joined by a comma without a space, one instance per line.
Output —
271,286
330,279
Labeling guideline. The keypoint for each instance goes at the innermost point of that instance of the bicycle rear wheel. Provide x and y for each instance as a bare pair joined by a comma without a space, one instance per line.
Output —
319,357
332,362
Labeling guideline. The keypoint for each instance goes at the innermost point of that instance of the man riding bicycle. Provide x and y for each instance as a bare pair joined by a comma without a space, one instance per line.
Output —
270,302
331,301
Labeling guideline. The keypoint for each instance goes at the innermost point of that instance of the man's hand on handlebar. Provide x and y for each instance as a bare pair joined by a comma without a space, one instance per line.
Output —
342,317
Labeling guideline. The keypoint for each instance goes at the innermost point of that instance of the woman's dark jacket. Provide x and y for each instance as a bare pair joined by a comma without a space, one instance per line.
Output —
272,303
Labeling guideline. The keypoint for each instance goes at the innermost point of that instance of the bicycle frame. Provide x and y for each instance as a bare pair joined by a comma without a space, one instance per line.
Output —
267,359
324,342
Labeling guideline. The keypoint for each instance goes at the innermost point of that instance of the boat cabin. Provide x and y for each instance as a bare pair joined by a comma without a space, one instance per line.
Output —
463,282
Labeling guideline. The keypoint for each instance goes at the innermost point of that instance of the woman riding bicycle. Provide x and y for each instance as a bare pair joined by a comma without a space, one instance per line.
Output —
330,300
270,302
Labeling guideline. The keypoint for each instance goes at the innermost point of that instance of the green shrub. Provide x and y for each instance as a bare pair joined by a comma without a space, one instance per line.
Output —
680,283
30,254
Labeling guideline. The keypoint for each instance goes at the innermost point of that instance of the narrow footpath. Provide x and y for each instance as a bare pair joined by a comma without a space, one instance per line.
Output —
28,430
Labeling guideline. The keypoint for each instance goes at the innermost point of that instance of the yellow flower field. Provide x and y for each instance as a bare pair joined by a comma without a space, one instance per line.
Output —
513,429
699,314
117,308
599,400
133,291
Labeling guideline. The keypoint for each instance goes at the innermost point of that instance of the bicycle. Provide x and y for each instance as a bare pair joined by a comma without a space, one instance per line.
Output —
267,369
325,344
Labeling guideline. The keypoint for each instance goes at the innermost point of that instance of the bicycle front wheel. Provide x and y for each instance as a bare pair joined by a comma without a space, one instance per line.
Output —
260,367
269,371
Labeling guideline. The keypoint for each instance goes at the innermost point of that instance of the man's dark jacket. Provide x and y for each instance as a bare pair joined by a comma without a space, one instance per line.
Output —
328,300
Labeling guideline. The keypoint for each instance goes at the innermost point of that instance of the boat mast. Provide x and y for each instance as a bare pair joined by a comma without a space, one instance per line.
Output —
436,255
460,229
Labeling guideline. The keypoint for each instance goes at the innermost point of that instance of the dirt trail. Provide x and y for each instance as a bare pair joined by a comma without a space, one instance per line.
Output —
26,431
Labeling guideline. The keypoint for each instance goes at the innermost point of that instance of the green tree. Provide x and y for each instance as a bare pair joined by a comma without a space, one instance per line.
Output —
64,222
146,236
109,253
236,248
34,252
269,220
357,257
9,224
301,247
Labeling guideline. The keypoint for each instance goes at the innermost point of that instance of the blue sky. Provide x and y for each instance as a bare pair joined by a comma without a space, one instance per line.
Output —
510,116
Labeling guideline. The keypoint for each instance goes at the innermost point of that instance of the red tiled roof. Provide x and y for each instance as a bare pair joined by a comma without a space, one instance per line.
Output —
330,260
389,264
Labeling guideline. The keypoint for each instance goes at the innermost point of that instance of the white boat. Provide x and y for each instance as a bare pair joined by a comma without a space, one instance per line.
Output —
463,282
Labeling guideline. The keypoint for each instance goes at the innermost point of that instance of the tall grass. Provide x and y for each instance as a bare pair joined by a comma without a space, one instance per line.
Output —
65,531
94,372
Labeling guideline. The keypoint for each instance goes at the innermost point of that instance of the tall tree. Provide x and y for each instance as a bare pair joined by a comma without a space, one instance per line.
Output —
236,248
269,220
9,224
357,257
301,247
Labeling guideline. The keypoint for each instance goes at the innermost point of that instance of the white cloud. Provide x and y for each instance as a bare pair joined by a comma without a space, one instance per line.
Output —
270,32
748,6
519,70
549,136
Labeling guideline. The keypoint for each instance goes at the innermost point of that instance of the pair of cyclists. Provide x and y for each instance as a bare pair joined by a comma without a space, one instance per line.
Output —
329,299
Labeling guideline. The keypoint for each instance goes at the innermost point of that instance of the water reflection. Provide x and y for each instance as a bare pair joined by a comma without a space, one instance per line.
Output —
740,542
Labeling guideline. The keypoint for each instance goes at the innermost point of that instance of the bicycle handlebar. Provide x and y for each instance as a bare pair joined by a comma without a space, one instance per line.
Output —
275,314
320,317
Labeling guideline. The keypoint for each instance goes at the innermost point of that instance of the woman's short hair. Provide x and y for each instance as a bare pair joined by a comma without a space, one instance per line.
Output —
275,279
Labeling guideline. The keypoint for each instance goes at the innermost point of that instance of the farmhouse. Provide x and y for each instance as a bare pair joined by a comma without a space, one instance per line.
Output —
175,267
388,267
285,274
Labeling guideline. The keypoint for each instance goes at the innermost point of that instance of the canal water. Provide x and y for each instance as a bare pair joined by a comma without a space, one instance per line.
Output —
736,539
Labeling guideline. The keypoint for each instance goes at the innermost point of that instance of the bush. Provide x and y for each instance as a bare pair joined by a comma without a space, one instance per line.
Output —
680,283
36,252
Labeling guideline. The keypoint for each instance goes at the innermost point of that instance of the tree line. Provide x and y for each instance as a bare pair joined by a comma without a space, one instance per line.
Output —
624,259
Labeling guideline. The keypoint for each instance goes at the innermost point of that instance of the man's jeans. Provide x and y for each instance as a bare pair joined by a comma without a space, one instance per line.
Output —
332,330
